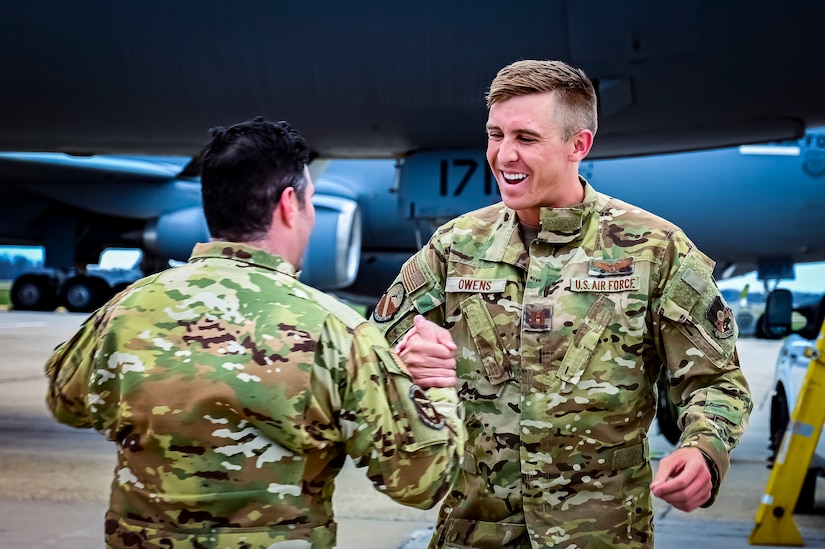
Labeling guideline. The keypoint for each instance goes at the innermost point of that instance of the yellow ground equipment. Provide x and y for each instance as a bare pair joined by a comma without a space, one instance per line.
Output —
774,518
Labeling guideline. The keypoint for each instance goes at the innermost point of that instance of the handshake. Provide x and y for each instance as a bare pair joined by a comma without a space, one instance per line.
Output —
428,351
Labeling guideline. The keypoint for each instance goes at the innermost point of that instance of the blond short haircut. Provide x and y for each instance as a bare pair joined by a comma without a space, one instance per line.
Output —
576,96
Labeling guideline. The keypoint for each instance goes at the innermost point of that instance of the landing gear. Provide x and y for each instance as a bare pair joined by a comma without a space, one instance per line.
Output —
779,419
667,414
34,292
84,294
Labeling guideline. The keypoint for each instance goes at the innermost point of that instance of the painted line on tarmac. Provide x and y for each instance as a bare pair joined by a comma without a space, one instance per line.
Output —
24,325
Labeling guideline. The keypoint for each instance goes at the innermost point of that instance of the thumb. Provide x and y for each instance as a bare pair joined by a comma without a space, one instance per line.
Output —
663,473
431,331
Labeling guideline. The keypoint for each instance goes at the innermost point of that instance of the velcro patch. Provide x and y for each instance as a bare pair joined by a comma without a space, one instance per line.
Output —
633,456
537,317
611,267
721,318
389,303
412,277
694,280
456,284
605,284
425,408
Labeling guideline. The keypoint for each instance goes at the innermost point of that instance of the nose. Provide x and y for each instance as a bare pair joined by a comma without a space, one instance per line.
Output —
507,151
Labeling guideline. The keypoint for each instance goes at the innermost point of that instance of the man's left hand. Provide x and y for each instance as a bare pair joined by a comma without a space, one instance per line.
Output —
683,479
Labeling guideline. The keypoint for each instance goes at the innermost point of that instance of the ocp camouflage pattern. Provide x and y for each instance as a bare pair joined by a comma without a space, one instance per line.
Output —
559,349
234,393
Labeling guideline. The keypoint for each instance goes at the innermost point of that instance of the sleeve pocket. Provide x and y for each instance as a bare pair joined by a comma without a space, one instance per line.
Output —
420,424
691,301
720,405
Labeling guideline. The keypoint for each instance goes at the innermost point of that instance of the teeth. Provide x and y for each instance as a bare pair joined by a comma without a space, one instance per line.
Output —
514,176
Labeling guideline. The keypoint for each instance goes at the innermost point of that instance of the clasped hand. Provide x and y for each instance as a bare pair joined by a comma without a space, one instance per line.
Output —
428,351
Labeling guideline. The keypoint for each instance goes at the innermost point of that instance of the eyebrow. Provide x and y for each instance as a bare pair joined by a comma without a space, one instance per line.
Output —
519,131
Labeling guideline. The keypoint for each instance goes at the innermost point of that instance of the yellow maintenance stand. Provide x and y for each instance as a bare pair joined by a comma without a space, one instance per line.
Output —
774,518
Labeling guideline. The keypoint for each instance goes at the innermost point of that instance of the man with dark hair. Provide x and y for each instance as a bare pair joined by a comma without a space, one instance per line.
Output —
564,304
234,393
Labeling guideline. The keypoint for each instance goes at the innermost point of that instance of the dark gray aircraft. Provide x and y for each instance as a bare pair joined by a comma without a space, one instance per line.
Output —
378,79
753,207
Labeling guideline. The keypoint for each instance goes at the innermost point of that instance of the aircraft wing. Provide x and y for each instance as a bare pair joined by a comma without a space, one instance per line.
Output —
377,79
33,166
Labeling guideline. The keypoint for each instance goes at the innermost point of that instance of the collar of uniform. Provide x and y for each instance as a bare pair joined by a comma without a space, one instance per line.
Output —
243,253
504,242
563,225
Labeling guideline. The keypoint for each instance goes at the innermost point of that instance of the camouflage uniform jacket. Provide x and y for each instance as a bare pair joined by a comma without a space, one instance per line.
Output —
234,393
559,348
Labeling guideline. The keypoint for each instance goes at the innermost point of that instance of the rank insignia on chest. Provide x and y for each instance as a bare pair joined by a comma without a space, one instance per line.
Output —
611,267
721,318
537,317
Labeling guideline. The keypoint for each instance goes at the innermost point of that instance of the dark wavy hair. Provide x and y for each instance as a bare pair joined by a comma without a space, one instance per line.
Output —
244,171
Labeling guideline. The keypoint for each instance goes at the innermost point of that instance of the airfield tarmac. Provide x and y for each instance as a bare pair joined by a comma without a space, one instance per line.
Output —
54,479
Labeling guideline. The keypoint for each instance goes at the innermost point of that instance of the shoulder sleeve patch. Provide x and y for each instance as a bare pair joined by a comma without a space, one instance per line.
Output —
694,280
721,318
427,413
389,303
412,276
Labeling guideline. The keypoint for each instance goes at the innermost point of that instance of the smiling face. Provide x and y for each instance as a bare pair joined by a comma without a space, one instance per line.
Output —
533,165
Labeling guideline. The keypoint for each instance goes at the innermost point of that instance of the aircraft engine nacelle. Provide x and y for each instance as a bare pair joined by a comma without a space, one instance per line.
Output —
332,256
334,252
173,235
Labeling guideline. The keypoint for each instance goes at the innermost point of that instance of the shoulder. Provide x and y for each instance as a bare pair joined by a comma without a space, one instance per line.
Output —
325,306
623,213
630,226
483,217
479,223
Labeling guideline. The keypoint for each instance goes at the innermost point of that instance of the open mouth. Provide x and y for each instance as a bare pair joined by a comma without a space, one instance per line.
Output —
513,177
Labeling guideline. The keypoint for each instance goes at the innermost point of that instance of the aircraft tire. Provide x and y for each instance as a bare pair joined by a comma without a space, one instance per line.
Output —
33,292
779,419
667,414
83,294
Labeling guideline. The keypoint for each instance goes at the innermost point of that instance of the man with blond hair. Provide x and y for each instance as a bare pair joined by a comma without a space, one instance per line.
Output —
578,300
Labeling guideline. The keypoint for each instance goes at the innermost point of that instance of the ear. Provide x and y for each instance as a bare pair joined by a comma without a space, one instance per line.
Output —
582,143
285,210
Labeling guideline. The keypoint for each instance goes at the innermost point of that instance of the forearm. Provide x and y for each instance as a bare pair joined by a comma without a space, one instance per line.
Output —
427,464
411,440
715,417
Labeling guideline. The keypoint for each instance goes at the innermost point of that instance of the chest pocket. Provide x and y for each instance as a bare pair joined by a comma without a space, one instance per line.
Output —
586,340
485,336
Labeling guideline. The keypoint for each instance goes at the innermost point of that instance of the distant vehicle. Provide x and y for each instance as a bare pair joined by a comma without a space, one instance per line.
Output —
78,291
791,368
